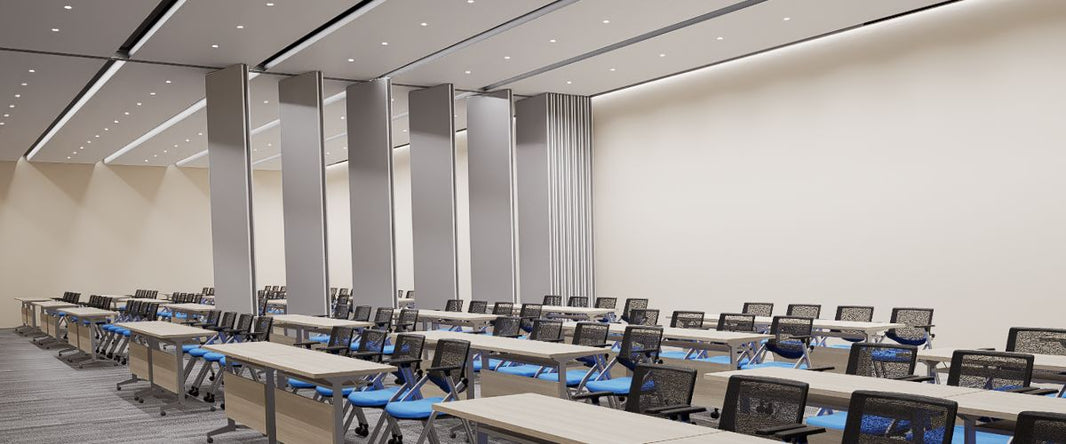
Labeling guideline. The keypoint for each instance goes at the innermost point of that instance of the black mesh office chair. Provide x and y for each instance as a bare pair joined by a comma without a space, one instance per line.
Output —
343,307
1040,428
503,308
447,372
640,345
992,370
662,390
792,340
804,310
919,326
406,357
644,316
479,307
577,301
407,321
602,302
551,299
383,318
687,319
877,417
507,326
736,322
453,305
853,313
339,343
528,313
362,313
1044,341
632,303
759,308
546,330
766,407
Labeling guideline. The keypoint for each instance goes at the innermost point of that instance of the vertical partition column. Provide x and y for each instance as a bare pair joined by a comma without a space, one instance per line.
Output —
303,187
370,190
554,167
433,194
231,188
490,166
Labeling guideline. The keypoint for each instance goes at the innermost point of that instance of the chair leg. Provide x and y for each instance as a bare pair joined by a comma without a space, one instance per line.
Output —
377,427
427,426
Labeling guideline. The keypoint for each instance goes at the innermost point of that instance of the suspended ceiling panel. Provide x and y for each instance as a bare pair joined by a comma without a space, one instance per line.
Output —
175,143
399,24
31,101
190,36
778,22
97,27
139,98
568,32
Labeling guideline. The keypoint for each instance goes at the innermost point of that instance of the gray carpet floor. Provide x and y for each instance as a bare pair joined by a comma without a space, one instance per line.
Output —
45,400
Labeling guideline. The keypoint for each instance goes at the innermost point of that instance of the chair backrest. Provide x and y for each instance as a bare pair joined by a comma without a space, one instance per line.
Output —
342,308
602,302
479,307
736,322
856,313
244,322
261,330
344,292
227,319
640,344
262,306
687,319
914,319
453,305
450,353
362,313
1040,428
383,317
408,320
882,360
577,301
759,308
332,292
551,299
644,316
503,308
910,418
211,318
1044,341
151,311
372,341
410,294
506,326
528,313
785,326
632,303
591,333
753,403
805,310
659,386
550,330
990,370
405,346
339,335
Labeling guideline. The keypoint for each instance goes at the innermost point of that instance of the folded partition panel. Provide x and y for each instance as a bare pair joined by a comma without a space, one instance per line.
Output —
370,190
490,166
433,194
303,187
231,188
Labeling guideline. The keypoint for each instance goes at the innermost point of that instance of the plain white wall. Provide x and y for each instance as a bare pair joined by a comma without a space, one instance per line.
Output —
916,162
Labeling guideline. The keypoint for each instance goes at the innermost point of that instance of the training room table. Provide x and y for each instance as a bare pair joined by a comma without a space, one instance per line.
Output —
1046,368
304,323
164,371
538,418
575,312
50,320
696,339
431,319
82,336
548,354
405,302
29,315
281,415
190,310
826,328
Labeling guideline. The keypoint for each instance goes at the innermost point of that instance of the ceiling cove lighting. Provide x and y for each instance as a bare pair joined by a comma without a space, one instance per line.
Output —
321,34
155,26
155,131
191,158
115,65
266,159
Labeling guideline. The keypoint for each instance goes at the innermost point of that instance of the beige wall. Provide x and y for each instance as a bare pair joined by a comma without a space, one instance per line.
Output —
918,162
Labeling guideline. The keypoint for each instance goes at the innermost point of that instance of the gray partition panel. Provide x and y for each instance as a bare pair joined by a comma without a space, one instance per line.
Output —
231,188
534,239
490,166
303,181
370,191
433,194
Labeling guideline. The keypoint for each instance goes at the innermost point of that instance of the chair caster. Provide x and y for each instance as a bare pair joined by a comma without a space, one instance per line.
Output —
363,430
194,391
213,408
141,400
162,413
396,439
715,414
210,397
222,406
453,435
118,388
210,439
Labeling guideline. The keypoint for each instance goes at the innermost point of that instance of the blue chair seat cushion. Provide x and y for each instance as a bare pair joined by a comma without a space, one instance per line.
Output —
222,362
674,354
618,386
197,352
493,363
372,398
214,357
125,332
835,421
320,338
189,347
298,384
573,377
327,392
527,370
420,409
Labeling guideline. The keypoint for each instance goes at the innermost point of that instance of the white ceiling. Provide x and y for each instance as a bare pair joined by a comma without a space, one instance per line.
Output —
494,40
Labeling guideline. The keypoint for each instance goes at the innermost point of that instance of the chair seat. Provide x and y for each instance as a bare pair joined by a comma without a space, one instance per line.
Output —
573,377
618,386
319,338
844,346
197,352
222,362
326,392
298,384
493,363
724,360
214,357
125,332
835,421
674,354
189,347
771,364
372,398
527,370
420,409
108,327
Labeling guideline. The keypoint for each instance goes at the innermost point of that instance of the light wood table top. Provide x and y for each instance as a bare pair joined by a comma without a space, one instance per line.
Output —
693,334
317,322
111,296
562,421
722,437
405,301
298,361
1056,363
454,316
195,308
87,312
281,302
711,321
588,311
519,347
165,330
1004,405
53,304
28,300
836,385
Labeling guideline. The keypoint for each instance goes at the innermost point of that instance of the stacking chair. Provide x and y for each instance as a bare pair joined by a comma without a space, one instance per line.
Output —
503,308
792,340
362,313
344,292
577,301
918,330
804,310
149,311
684,319
759,308
604,302
854,313
993,370
1045,341
551,299
738,322
407,321
342,308
226,324
644,316
339,343
504,327
453,305
447,372
632,303
383,318
479,307
890,417
406,357
528,313
640,345
590,334
1040,428
662,390
770,407
547,330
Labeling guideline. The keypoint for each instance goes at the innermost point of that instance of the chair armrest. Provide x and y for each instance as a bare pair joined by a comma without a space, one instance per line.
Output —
560,340
1041,392
335,348
446,369
365,354
592,395
821,369
478,332
927,327
657,410
673,413
306,344
915,378
604,345
403,361
777,429
801,432
986,349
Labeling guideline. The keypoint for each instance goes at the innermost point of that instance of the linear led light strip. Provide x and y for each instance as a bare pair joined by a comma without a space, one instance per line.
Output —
101,81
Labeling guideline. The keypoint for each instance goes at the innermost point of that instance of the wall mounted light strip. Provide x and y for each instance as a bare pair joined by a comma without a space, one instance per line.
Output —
199,105
351,15
110,69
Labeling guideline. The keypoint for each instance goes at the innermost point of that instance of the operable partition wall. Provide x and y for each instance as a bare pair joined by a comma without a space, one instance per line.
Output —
231,188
